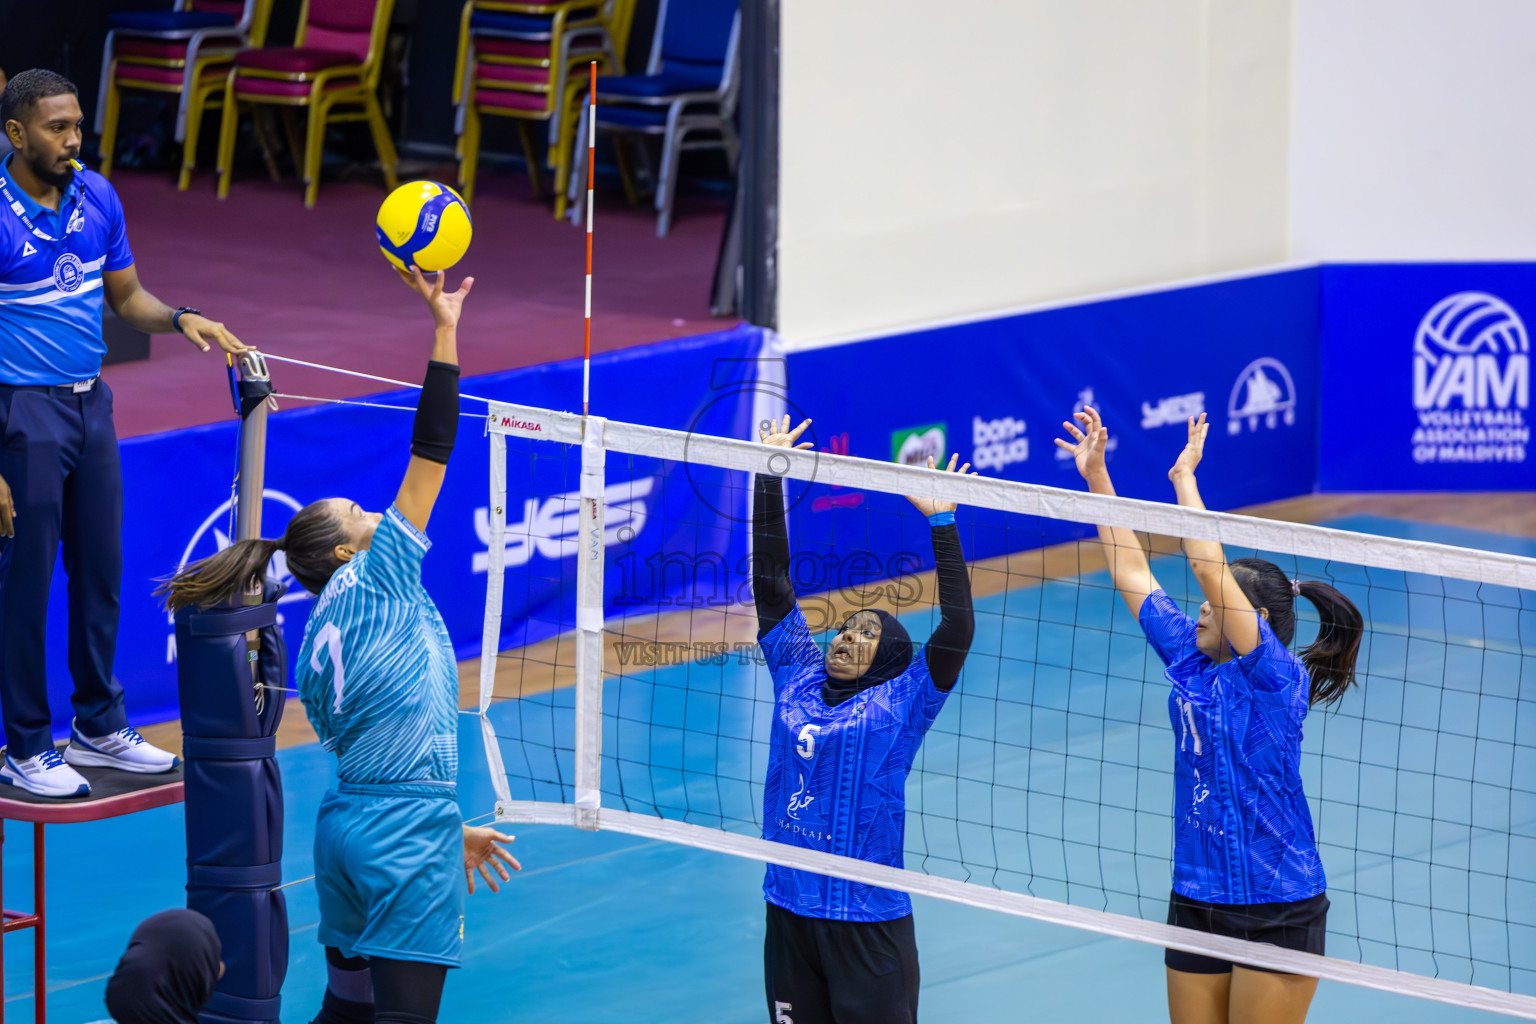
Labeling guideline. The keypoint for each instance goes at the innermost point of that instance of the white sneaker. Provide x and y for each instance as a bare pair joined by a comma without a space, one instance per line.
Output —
45,775
124,750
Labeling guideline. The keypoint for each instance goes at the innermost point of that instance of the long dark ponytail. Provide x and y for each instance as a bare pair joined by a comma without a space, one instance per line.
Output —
310,543
1330,659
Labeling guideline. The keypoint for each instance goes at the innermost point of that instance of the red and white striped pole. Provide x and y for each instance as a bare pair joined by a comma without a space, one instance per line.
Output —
586,364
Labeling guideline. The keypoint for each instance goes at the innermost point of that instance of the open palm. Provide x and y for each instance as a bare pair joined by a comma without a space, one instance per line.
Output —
1088,441
445,306
781,436
1194,448
933,506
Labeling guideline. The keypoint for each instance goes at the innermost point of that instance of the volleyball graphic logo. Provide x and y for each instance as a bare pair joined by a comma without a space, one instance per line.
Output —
424,223
1471,350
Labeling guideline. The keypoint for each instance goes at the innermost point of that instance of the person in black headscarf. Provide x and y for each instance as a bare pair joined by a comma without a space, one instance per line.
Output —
846,728
168,972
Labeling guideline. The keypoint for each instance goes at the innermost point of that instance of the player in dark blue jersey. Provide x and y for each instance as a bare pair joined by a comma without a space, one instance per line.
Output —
846,728
379,683
1245,861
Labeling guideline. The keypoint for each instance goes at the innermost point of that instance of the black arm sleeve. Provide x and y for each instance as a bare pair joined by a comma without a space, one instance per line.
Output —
771,589
437,413
951,640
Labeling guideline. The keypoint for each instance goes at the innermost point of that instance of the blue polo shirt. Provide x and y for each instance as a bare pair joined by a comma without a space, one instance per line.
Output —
50,279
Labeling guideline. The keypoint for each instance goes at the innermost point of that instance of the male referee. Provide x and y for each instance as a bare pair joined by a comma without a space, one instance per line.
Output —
62,245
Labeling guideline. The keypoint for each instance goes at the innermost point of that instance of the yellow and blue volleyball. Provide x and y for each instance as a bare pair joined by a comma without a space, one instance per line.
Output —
424,223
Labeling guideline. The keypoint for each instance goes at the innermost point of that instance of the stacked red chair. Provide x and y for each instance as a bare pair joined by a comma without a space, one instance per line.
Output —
330,73
187,51
516,60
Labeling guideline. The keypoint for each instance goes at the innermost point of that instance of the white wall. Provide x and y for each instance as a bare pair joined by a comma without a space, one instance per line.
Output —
1415,130
942,161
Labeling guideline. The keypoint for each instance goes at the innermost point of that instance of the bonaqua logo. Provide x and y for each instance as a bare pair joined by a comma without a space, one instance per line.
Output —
996,444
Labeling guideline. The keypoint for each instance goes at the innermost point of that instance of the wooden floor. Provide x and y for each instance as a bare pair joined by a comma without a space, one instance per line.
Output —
551,664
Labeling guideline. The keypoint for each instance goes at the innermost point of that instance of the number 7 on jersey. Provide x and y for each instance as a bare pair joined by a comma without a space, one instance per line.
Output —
330,636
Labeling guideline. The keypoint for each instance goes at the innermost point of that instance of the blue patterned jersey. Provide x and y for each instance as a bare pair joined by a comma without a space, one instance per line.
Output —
50,279
837,776
1242,827
376,671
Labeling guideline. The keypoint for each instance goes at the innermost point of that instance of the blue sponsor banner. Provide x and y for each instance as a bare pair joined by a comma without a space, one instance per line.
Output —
1340,378
1427,377
177,493
1242,351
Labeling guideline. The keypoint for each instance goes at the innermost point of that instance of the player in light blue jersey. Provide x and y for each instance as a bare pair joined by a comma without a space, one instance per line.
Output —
1245,861
846,729
380,685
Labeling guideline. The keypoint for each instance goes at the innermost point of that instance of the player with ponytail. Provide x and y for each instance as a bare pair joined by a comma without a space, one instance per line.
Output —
379,683
320,539
1245,857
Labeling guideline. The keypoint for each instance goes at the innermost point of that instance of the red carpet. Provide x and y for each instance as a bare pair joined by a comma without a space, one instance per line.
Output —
312,284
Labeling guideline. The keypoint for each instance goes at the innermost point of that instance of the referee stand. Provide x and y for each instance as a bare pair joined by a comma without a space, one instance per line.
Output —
113,793
231,668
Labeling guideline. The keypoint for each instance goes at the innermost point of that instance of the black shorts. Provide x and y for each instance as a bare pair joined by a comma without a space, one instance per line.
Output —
839,972
1301,926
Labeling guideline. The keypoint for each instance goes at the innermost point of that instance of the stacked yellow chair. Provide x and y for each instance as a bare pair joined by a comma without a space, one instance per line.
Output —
187,51
528,61
331,72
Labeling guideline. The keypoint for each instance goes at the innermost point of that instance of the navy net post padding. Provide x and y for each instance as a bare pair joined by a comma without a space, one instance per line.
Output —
234,798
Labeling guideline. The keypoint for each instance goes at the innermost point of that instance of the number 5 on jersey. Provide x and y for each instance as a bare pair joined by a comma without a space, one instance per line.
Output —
806,748
330,637
781,1013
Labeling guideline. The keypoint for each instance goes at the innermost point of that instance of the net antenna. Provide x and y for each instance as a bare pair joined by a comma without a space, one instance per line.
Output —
677,751
586,351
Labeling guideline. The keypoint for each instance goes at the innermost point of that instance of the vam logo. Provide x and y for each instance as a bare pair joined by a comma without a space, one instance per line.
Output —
1264,392
210,539
915,445
1177,409
551,528
1471,381
996,444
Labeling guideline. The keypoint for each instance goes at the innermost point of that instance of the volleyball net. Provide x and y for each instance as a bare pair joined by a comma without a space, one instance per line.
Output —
641,703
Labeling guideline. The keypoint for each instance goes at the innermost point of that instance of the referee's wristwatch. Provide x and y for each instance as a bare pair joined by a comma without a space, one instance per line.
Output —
176,317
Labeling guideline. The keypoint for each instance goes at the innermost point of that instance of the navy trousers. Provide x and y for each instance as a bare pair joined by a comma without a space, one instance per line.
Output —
58,452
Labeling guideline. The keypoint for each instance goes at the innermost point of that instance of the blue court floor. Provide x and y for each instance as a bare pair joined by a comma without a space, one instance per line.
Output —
604,927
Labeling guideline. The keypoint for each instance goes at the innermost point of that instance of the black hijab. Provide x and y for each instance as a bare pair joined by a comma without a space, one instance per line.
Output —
892,656
168,972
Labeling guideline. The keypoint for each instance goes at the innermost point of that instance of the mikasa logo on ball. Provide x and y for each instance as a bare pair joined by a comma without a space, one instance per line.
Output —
1471,381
